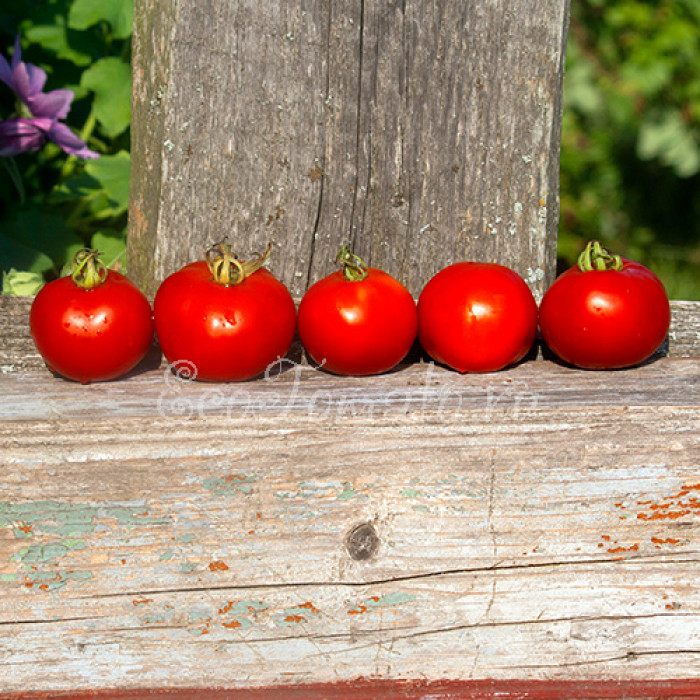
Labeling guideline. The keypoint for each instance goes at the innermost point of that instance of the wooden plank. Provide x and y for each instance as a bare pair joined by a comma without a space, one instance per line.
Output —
684,336
421,132
404,690
537,523
17,351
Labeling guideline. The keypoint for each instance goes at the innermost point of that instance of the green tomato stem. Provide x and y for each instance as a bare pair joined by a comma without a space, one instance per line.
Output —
354,268
595,257
89,271
227,269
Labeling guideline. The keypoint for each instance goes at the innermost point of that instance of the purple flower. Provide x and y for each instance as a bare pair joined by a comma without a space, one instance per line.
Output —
46,108
21,134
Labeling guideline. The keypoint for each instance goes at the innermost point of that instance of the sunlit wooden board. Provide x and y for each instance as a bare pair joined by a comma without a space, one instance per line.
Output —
536,523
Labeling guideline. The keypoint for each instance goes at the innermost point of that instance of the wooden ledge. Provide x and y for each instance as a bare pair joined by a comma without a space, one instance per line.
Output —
17,351
539,523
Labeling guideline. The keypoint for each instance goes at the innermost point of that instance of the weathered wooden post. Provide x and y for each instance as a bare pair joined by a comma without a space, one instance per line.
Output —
422,132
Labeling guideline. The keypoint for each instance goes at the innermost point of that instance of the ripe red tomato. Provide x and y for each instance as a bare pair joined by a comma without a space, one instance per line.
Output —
92,326
477,317
605,312
230,320
357,321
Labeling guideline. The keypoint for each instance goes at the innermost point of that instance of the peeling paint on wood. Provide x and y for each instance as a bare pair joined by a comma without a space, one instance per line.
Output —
539,522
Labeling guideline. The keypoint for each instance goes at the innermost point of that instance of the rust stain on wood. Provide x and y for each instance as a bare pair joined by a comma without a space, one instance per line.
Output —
218,566
674,507
231,625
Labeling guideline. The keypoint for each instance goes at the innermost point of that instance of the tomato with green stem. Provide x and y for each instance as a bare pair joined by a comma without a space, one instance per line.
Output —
358,320
92,325
605,312
223,319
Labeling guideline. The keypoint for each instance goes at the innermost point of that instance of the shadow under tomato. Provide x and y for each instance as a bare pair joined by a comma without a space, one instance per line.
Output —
153,359
416,355
660,353
534,353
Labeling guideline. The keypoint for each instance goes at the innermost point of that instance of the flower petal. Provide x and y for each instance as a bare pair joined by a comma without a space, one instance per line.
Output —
17,55
54,104
7,73
20,135
29,80
69,142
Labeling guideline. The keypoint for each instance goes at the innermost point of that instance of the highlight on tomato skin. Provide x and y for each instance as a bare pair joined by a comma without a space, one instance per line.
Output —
477,317
357,321
229,320
93,325
605,312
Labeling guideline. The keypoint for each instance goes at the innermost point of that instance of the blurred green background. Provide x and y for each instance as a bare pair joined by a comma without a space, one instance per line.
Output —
630,160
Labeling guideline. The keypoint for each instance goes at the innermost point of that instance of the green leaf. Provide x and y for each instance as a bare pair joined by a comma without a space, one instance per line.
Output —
21,284
22,257
55,37
75,187
650,78
668,138
112,172
45,233
112,247
582,91
119,14
110,80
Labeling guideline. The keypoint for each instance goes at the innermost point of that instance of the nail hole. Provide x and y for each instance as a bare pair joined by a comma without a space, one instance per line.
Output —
362,542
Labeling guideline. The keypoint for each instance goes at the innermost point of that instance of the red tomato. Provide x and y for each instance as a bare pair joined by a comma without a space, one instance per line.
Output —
477,317
357,321
605,313
91,334
228,330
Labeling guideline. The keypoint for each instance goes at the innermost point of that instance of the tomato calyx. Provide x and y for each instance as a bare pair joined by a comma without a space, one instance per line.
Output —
354,267
88,271
595,257
227,269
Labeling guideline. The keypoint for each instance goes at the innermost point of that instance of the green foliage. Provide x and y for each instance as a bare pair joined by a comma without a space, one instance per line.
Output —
630,160
110,81
51,204
117,13
18,283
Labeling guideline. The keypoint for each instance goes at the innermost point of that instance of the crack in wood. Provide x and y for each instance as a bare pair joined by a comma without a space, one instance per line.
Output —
510,623
54,621
629,656
352,234
636,560
319,209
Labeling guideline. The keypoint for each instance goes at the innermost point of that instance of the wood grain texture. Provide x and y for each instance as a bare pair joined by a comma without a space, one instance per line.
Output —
18,353
536,523
422,132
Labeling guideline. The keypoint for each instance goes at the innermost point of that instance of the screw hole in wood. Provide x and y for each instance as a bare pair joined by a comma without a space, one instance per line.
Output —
362,542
